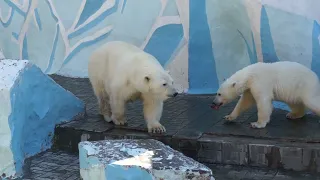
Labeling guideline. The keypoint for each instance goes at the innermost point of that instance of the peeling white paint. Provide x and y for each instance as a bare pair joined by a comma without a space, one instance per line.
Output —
170,157
157,159
91,150
133,151
9,71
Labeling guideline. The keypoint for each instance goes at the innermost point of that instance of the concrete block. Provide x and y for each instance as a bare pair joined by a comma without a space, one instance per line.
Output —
137,159
210,151
258,154
30,107
234,153
291,158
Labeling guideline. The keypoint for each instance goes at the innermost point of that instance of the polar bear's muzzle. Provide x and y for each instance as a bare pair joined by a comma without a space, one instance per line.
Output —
173,94
216,105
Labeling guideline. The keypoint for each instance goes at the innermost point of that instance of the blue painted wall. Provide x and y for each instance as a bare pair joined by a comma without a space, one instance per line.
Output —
201,42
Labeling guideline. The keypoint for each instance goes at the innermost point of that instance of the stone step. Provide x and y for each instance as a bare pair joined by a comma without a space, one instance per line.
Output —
137,159
214,149
59,164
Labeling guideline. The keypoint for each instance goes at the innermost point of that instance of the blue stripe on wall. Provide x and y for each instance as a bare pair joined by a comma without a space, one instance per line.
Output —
202,68
16,8
15,35
51,11
268,50
54,47
84,45
124,5
252,53
89,9
8,22
36,13
25,54
164,41
315,64
94,22
255,56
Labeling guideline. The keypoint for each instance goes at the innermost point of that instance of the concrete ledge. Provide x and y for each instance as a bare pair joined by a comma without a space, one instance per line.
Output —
259,153
137,159
30,107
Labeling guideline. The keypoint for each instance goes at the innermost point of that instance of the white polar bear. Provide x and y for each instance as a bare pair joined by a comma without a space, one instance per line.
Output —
120,72
261,83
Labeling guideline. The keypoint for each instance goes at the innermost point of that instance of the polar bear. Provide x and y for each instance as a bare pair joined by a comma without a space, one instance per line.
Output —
261,83
120,72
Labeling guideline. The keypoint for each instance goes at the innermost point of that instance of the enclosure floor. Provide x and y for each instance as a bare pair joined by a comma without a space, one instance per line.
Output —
190,117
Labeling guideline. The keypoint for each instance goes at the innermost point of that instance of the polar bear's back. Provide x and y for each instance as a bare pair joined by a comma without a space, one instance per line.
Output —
119,59
112,56
290,81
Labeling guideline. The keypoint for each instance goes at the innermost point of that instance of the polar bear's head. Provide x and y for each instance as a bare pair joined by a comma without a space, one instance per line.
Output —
228,91
225,94
158,84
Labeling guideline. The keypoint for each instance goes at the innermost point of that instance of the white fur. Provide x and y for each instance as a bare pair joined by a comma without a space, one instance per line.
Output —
120,72
262,83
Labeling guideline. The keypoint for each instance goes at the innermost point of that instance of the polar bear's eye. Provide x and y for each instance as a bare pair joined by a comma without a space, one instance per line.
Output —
219,94
164,84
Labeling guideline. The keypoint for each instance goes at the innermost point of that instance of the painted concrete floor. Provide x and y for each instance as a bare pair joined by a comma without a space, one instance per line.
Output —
190,117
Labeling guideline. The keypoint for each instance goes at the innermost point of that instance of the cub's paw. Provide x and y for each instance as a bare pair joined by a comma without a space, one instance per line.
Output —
119,121
292,116
229,118
156,128
107,118
257,125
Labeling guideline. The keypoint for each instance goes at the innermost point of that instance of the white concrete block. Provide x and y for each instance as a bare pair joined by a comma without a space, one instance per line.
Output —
30,107
137,159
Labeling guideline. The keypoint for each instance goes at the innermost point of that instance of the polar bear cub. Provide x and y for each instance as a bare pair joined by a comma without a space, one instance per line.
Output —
120,72
261,83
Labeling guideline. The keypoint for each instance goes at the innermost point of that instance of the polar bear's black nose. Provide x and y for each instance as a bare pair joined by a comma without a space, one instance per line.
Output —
175,94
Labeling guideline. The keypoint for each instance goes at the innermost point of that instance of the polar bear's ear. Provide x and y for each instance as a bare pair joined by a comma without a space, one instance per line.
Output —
233,84
147,79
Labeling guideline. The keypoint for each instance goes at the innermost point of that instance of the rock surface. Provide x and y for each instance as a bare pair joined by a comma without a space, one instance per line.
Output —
137,159
30,107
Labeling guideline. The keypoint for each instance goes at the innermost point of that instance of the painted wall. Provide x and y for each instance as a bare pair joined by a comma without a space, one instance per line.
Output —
201,42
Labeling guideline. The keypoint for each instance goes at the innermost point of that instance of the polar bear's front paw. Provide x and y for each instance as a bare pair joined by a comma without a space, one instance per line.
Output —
118,121
156,128
107,118
258,125
229,118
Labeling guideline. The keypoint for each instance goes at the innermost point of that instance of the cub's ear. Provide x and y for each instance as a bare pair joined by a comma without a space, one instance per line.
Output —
233,84
147,78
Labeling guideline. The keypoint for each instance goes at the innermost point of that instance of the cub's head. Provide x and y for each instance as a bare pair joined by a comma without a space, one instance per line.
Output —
227,92
159,84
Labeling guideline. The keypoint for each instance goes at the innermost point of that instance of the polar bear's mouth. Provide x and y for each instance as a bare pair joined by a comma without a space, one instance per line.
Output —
216,106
